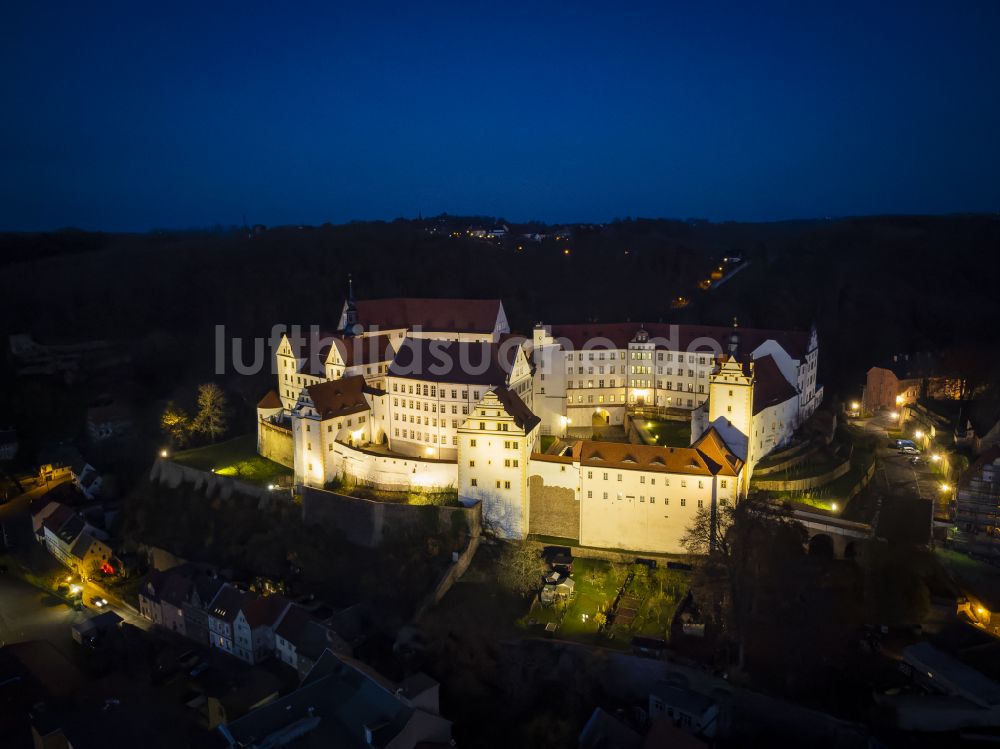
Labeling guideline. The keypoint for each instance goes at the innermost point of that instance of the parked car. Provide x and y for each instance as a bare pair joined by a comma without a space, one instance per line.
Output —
98,602
916,459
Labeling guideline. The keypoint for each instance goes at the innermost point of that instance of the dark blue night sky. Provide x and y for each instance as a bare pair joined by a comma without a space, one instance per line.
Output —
130,118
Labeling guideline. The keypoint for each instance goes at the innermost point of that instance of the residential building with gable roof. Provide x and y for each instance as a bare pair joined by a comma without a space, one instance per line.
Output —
344,703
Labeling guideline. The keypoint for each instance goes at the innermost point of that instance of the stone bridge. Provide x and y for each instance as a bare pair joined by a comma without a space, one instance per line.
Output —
832,536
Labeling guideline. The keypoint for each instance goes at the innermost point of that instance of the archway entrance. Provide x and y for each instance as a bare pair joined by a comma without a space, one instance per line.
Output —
600,418
821,545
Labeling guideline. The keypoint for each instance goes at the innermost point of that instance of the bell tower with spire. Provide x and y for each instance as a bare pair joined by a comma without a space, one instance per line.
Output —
734,340
349,320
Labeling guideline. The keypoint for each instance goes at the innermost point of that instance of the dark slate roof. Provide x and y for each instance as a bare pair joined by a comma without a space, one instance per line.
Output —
770,387
516,408
175,588
332,707
227,603
455,362
293,624
692,703
360,350
83,543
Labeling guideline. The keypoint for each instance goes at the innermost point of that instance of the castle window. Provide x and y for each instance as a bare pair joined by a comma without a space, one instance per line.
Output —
474,482
683,502
700,504
472,443
472,464
590,495
506,485
723,483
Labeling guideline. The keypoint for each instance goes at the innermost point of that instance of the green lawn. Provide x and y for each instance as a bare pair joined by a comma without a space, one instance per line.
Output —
669,433
978,578
545,442
595,591
237,458
597,585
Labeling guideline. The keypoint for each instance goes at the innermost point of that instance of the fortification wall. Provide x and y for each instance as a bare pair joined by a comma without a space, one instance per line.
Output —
275,443
366,521
554,502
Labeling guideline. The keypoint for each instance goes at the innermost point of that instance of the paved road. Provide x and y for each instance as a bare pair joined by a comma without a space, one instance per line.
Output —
27,613
897,477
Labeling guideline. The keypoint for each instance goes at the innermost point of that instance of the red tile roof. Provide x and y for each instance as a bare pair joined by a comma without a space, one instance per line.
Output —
265,611
435,315
715,451
341,397
682,460
271,400
677,337
770,387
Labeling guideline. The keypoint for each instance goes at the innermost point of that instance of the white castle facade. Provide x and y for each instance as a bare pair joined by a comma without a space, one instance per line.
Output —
435,394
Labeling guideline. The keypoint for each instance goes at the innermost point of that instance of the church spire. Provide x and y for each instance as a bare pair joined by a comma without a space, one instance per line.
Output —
350,309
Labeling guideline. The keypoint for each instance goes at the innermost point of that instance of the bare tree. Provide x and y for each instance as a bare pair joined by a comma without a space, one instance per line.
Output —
211,419
749,542
520,568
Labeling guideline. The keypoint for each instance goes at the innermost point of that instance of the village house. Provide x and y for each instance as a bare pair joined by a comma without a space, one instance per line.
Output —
343,702
222,613
687,709
68,537
254,625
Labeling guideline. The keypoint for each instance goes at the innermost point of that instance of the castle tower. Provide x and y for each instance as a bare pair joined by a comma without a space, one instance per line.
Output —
730,402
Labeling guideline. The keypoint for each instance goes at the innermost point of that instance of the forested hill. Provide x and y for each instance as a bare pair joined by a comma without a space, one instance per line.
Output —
874,286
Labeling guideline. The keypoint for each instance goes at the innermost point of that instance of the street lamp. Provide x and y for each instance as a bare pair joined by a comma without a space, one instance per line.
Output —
945,487
935,457
918,434
834,506
855,405
894,415
163,453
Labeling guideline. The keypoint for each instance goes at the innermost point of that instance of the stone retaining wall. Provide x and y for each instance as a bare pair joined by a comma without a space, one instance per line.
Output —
365,521
174,475
810,482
